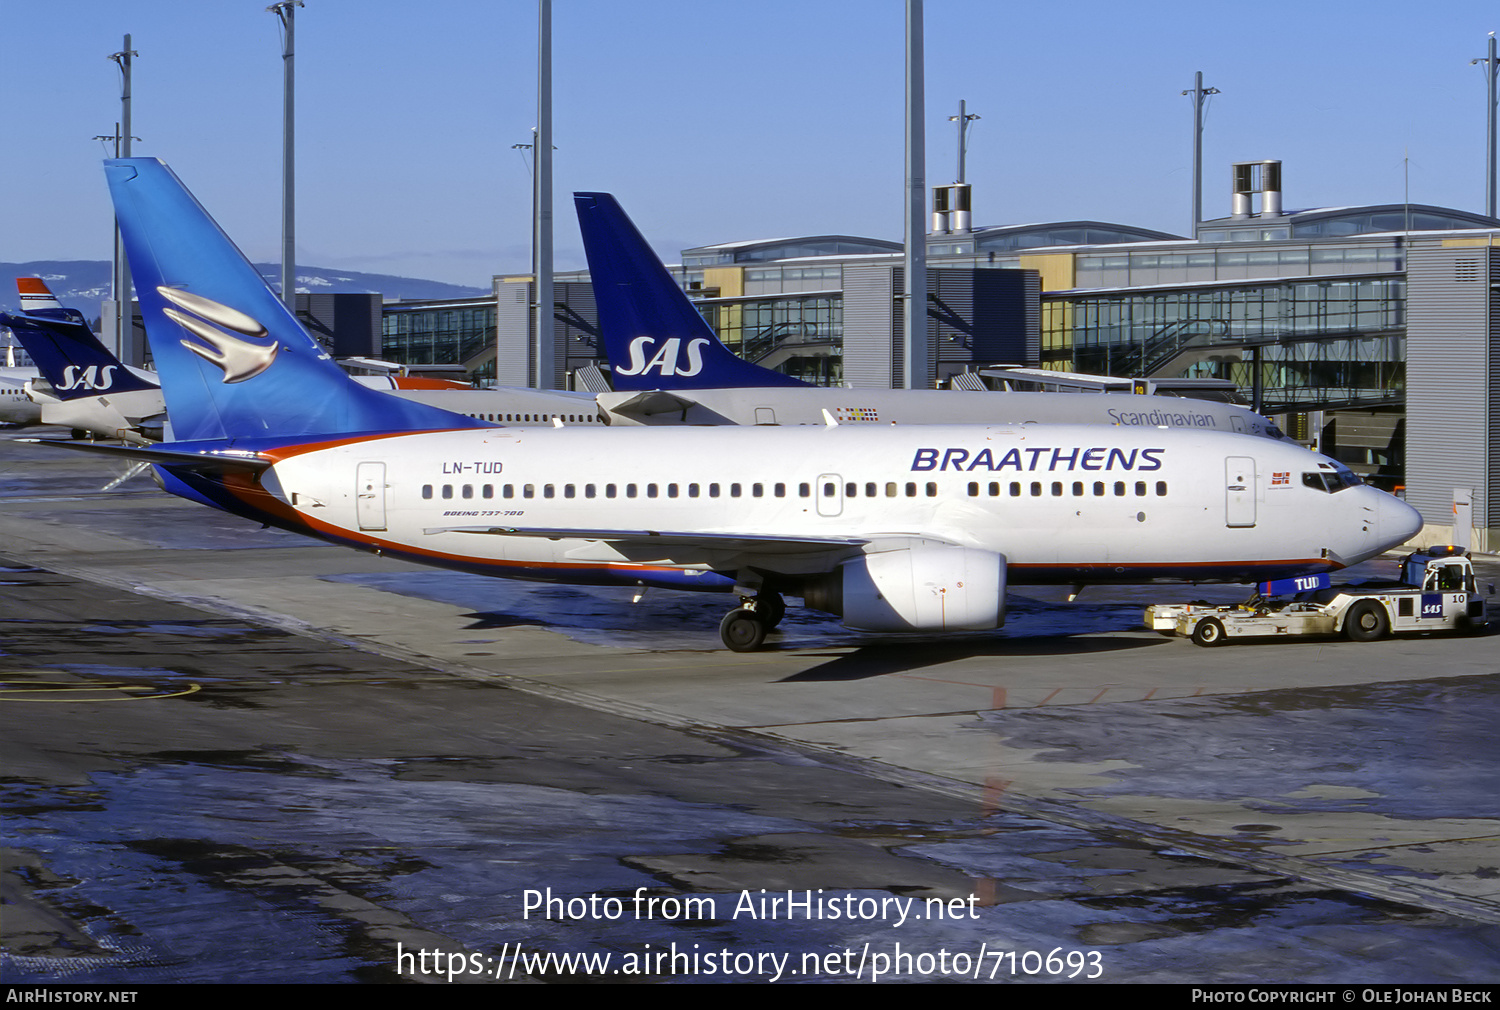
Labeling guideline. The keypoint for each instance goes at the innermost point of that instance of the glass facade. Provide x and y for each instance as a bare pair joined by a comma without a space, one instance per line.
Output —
429,334
1336,339
799,336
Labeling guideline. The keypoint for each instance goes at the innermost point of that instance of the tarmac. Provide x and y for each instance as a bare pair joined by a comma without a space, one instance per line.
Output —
232,753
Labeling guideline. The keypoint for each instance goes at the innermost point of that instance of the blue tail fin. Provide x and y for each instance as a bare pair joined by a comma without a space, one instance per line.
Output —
233,361
70,357
653,336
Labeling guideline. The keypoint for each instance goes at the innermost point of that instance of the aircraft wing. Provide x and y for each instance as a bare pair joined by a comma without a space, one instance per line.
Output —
668,539
719,550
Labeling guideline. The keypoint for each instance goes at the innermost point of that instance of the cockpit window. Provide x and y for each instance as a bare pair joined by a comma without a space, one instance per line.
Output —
1331,481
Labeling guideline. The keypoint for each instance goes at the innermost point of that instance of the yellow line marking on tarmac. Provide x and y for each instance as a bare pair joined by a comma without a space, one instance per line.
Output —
56,693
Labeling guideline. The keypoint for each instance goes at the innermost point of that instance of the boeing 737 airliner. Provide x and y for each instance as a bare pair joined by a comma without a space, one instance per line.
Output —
915,528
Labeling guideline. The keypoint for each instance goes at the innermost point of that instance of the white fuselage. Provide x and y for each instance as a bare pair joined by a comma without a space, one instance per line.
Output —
1068,503
15,406
781,405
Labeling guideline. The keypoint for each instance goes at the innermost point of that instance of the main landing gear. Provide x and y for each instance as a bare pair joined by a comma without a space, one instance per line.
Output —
744,629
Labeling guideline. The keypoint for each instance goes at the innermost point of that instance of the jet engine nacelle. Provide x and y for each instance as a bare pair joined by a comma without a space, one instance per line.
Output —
925,587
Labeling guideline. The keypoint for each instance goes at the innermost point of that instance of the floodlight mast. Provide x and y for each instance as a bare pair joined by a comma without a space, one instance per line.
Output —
1199,93
545,376
963,119
1490,65
916,357
286,13
125,348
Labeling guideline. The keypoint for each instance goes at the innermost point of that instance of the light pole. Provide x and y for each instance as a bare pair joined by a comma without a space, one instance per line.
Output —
286,13
1489,144
546,343
1199,93
916,359
125,346
963,119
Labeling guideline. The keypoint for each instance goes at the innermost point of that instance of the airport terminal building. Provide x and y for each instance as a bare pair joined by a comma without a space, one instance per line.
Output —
1368,331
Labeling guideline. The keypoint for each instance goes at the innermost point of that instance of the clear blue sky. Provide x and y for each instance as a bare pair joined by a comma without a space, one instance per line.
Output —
716,121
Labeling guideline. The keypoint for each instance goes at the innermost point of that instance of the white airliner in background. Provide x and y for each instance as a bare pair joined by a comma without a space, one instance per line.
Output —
669,366
917,528
15,407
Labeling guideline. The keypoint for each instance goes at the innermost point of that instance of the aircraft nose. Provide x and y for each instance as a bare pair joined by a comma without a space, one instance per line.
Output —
1399,522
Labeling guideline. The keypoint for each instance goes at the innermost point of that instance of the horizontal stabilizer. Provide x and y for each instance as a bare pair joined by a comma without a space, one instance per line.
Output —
207,461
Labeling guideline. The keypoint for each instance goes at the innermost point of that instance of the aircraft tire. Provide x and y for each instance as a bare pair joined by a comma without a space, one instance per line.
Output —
1366,622
770,608
1209,633
742,631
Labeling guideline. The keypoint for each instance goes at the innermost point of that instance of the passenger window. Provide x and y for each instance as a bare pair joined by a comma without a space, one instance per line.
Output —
426,490
528,491
468,491
931,489
629,490
780,490
447,490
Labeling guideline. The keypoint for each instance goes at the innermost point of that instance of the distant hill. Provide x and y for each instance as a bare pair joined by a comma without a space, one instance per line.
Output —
83,284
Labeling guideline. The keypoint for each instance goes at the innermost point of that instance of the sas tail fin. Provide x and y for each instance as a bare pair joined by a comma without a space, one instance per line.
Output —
233,361
653,336
72,360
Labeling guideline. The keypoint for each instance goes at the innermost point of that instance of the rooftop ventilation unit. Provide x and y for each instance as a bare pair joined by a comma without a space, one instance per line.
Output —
1251,177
